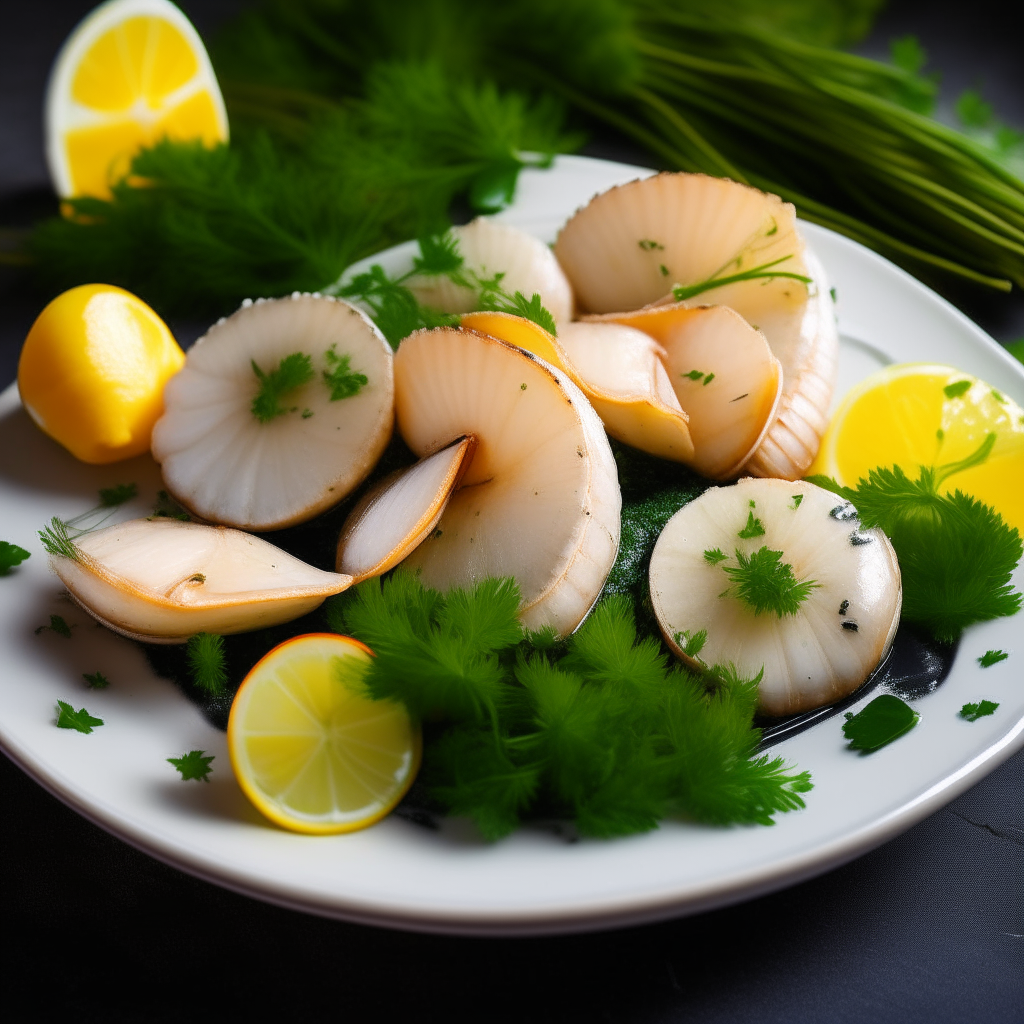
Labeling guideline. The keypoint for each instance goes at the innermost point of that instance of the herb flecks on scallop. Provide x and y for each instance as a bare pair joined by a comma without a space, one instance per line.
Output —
767,600
162,580
540,501
280,411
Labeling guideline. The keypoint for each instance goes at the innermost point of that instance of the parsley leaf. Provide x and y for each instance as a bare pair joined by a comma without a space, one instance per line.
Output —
193,765
207,664
767,584
81,720
714,555
110,497
883,720
990,658
754,527
10,556
57,625
972,712
96,680
341,379
439,255
293,371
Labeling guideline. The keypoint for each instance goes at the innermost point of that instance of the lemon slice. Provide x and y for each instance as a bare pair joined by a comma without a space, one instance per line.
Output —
132,73
312,752
926,414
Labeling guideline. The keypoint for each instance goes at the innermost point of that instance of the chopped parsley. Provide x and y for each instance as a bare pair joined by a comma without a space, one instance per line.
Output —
693,375
291,374
754,527
765,583
193,765
57,625
797,499
885,719
958,389
714,555
649,245
111,497
990,658
96,680
691,645
10,556
343,381
972,712
80,720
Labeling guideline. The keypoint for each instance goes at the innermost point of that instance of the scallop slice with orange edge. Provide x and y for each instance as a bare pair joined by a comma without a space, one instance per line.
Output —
281,411
162,580
691,238
619,370
310,749
724,375
397,514
540,501
488,248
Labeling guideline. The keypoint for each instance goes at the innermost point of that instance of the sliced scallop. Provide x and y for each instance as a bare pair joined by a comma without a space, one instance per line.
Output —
618,369
540,501
400,512
830,643
162,580
226,465
526,264
724,376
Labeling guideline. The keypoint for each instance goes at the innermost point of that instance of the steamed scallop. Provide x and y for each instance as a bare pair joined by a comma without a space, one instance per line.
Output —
488,248
724,376
632,245
400,512
777,577
162,580
280,411
618,369
540,501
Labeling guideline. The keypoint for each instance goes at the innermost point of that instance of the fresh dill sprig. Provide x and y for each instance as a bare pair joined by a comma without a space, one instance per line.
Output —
956,554
56,540
292,373
343,381
207,664
519,305
10,556
766,584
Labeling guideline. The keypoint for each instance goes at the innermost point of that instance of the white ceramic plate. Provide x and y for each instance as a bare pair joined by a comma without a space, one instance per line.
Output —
398,874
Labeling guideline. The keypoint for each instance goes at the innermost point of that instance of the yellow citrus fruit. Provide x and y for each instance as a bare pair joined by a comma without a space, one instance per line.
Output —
925,414
132,73
93,369
309,749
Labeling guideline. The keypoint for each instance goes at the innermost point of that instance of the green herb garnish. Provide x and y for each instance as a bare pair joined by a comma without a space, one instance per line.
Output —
714,555
167,508
193,765
972,712
111,497
681,292
293,372
343,382
57,625
81,720
10,556
57,541
754,527
766,584
207,664
990,658
96,680
885,719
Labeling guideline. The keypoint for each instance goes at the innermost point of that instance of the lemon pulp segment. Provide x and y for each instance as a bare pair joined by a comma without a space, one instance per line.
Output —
923,414
134,72
312,752
92,372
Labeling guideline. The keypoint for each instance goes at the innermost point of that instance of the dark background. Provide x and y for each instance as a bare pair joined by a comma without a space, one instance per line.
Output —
926,928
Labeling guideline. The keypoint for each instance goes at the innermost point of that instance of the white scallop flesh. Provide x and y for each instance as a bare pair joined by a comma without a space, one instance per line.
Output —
621,371
398,514
226,466
540,501
725,378
838,635
162,580
632,244
489,248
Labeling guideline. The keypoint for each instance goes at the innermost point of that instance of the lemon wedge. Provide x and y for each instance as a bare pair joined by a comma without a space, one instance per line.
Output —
309,749
927,414
133,72
92,372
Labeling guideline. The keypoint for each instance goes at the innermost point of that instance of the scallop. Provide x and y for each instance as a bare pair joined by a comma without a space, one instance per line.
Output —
162,580
777,578
242,447
540,500
526,264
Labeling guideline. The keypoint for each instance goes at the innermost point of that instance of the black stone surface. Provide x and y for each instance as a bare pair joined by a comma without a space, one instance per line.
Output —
928,928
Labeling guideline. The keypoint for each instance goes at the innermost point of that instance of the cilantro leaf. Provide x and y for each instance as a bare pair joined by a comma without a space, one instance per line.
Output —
972,712
883,720
96,680
990,658
110,497
81,720
292,372
193,765
57,625
767,584
341,379
207,664
10,556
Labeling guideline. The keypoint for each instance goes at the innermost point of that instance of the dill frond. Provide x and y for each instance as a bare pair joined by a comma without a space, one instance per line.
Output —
766,584
56,540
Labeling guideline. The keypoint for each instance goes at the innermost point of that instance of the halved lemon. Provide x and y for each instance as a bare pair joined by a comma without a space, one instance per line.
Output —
928,414
309,749
132,73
